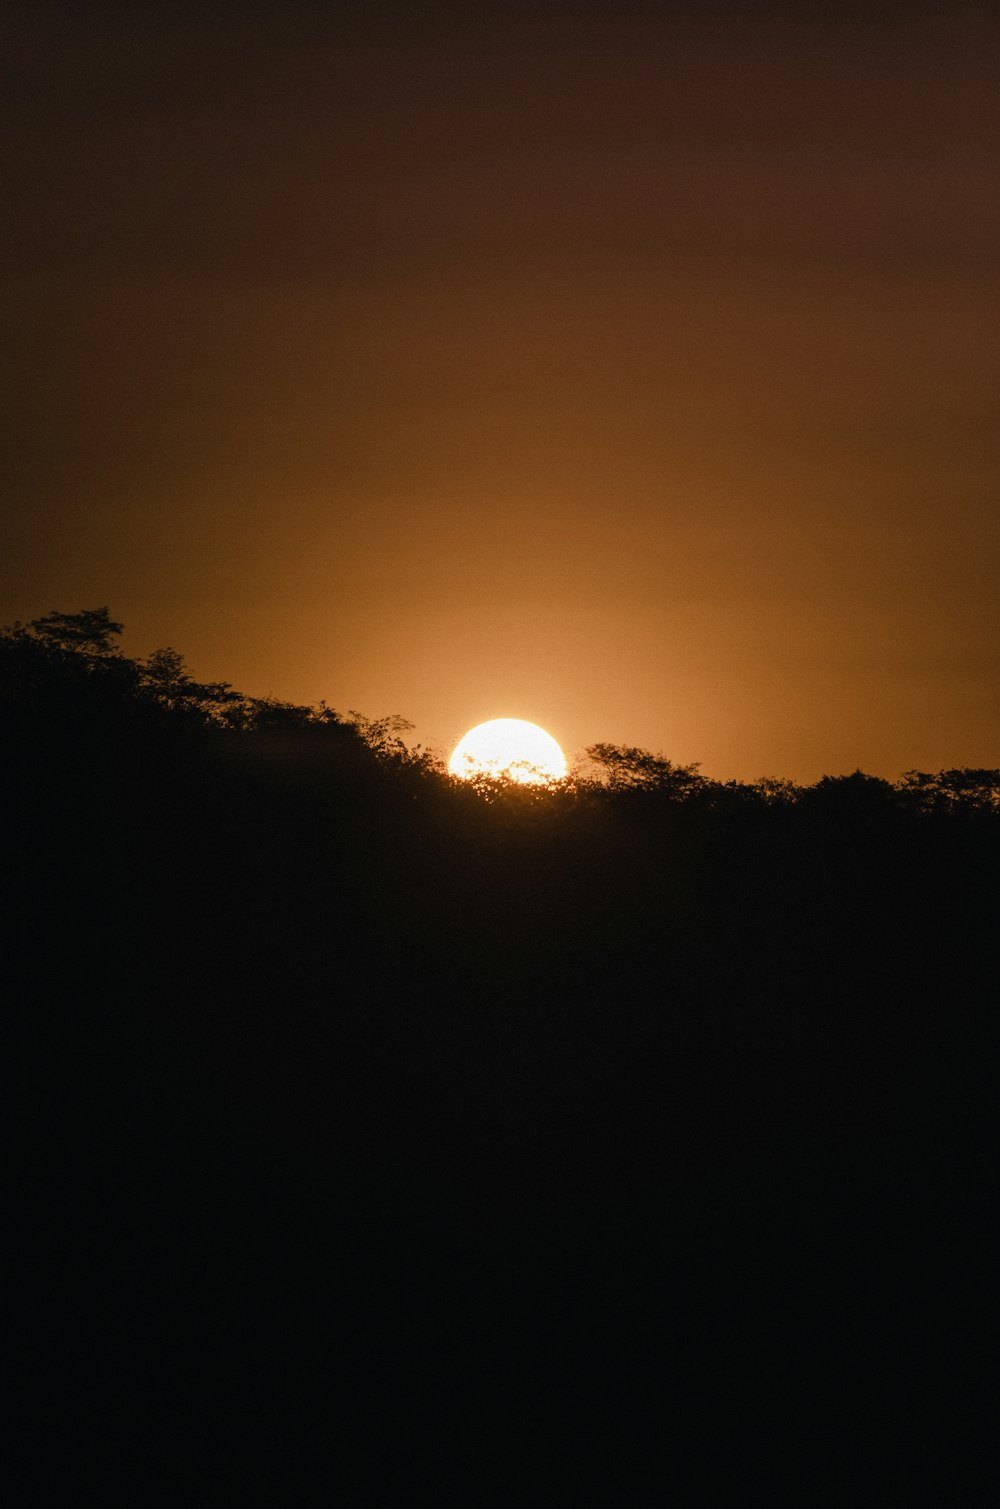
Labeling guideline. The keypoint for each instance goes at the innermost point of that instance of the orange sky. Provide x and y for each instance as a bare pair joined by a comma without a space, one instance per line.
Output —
639,380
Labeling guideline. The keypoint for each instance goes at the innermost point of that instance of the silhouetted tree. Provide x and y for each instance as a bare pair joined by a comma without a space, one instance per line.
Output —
623,767
66,667
952,790
384,738
775,791
166,678
92,631
856,794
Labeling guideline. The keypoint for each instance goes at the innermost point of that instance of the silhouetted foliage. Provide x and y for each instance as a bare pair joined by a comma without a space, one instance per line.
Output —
91,632
623,768
166,678
364,1112
953,790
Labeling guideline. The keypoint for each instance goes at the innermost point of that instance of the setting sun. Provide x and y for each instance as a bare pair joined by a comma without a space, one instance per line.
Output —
511,748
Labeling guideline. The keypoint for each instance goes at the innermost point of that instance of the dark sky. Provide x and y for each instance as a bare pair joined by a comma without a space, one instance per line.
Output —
638,377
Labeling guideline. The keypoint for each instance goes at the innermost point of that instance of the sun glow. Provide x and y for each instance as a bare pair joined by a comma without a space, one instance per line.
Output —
509,748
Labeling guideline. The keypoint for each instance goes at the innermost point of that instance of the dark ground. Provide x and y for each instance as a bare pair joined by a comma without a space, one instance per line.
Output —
379,1144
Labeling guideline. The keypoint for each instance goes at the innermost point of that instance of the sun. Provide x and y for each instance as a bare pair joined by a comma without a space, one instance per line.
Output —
510,748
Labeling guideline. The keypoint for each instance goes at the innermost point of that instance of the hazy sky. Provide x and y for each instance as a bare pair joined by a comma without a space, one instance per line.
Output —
637,378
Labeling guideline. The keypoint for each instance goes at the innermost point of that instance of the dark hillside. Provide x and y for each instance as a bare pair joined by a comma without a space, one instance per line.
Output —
382,1141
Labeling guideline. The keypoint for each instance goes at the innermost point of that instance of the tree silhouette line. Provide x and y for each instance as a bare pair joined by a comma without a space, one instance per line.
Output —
70,665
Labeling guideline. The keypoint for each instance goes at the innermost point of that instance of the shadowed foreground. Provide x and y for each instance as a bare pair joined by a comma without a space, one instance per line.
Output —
385,1142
